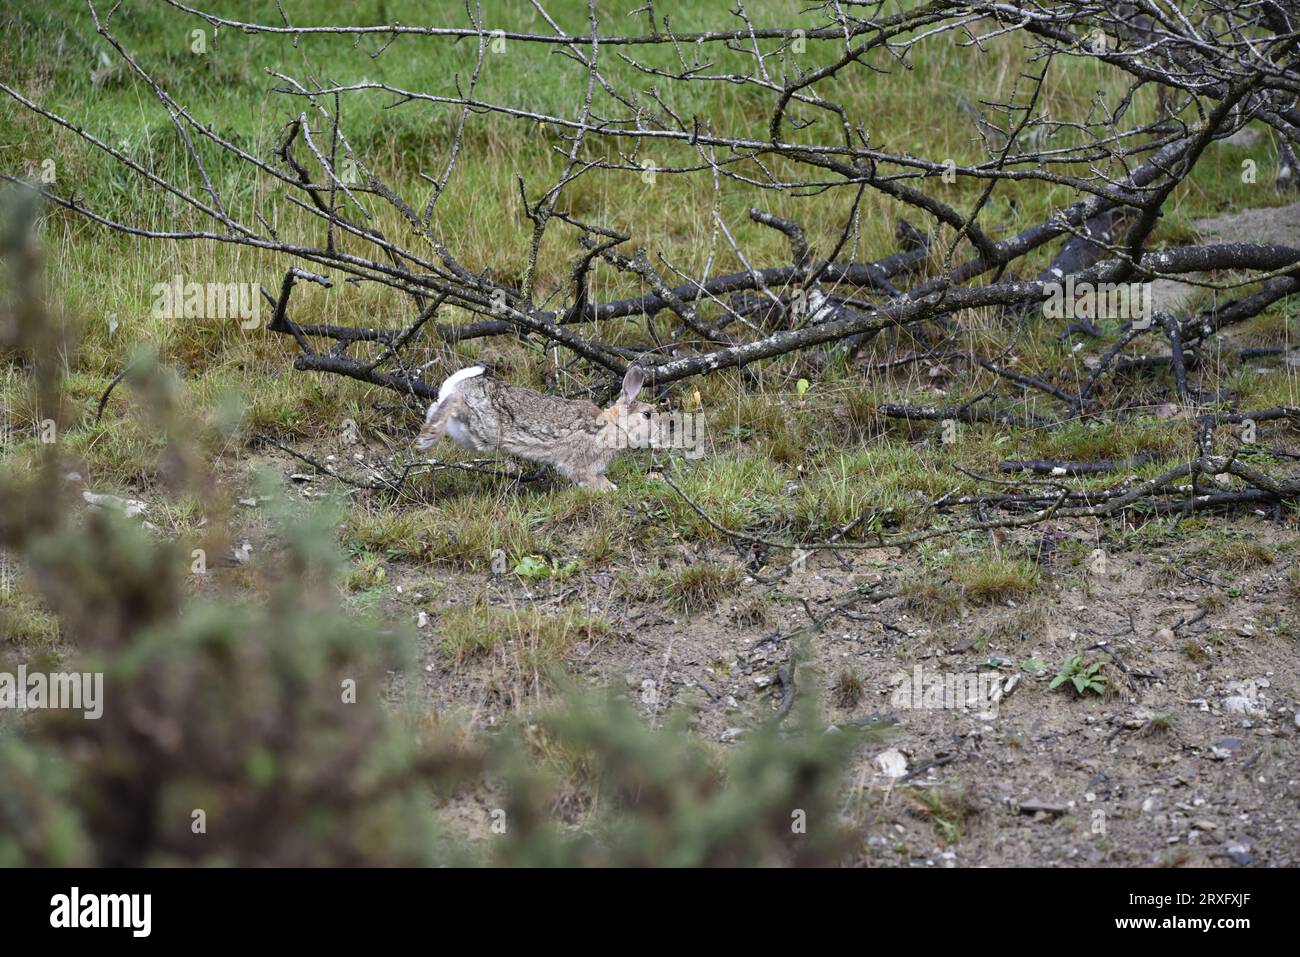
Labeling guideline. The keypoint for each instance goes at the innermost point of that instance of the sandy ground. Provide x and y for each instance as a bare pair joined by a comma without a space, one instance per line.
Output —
1277,224
1189,758
1184,761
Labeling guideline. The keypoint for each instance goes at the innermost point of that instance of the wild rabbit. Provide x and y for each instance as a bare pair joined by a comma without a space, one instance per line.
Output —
575,437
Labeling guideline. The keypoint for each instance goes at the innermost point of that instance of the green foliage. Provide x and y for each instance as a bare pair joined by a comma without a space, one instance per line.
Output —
266,720
268,717
668,799
698,586
535,567
1083,677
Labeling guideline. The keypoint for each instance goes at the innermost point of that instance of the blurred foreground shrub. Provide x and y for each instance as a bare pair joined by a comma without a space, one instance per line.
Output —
253,726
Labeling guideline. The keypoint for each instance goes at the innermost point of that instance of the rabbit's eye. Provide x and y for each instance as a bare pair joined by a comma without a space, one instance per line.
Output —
645,415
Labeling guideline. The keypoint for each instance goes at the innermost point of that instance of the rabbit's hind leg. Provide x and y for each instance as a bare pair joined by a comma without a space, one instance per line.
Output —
440,422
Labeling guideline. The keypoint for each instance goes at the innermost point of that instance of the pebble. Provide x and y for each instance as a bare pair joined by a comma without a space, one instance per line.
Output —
649,692
130,507
1237,704
1240,853
892,763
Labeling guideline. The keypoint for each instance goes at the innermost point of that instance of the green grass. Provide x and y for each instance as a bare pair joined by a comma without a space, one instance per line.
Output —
698,586
461,532
848,689
782,464
23,619
997,581
1242,554
931,600
527,636
938,593
947,810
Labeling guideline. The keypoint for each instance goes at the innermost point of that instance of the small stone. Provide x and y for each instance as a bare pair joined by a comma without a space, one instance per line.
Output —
892,763
1240,853
130,507
649,692
1164,634
1237,704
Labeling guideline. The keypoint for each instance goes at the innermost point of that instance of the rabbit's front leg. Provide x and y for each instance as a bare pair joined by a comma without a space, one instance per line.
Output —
590,476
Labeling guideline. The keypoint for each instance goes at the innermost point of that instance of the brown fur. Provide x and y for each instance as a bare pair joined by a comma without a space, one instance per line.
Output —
575,437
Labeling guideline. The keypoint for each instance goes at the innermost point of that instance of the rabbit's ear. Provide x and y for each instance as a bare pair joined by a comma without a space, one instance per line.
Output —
632,383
